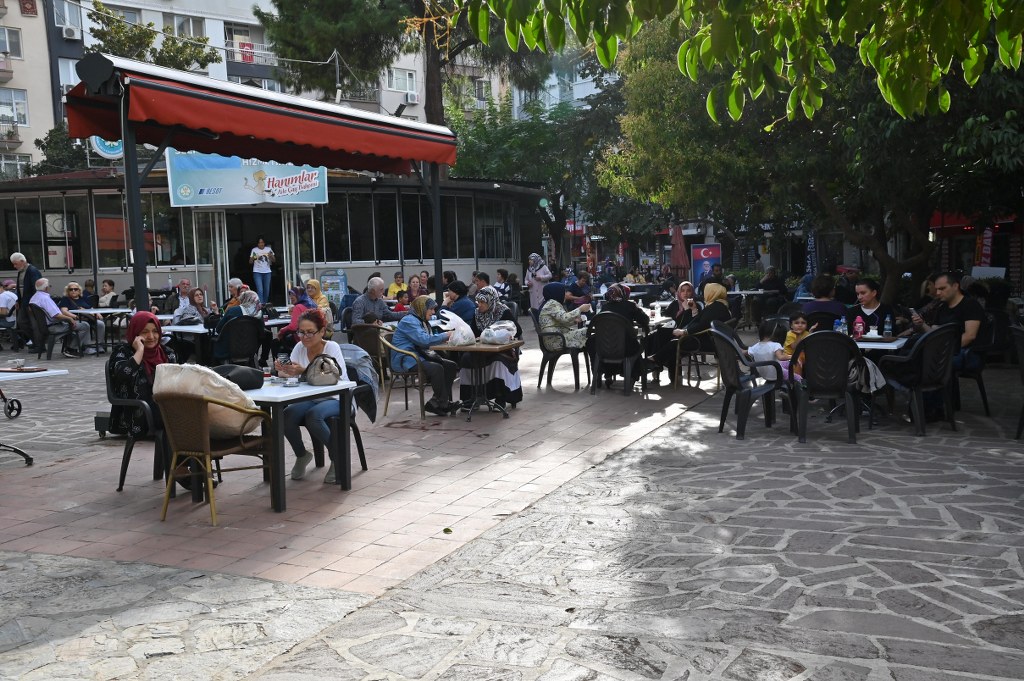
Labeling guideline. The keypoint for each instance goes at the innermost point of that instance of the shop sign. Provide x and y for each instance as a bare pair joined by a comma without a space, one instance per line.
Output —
196,179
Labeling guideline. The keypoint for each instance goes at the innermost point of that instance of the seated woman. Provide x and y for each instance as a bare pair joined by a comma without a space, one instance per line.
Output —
869,307
413,334
617,301
716,308
554,318
457,300
248,306
322,303
132,366
502,370
823,288
312,414
74,300
195,312
300,302
681,311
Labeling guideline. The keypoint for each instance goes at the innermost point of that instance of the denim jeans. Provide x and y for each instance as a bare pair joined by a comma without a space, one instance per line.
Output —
313,414
262,281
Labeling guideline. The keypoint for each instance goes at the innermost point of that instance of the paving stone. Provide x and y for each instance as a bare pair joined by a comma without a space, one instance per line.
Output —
905,573
1007,631
753,665
406,655
564,670
467,672
620,652
952,658
514,645
874,624
318,661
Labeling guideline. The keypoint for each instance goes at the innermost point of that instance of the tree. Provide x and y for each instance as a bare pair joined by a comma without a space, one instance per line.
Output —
369,35
857,166
60,153
121,38
773,47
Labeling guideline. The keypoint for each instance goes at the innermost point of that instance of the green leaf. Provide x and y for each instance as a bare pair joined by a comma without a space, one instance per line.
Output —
606,49
532,30
721,34
706,57
792,102
974,64
512,36
710,104
619,20
825,60
556,31
553,6
737,98
944,99
480,21
681,57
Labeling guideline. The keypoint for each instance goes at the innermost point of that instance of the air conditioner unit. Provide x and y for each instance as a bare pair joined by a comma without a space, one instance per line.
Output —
72,33
412,98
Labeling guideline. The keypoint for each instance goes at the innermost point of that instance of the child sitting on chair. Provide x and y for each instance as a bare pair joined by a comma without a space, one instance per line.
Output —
402,304
767,350
797,332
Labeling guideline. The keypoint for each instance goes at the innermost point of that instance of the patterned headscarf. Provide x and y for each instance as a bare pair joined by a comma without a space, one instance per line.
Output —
301,297
249,302
495,308
554,291
617,292
421,307
536,262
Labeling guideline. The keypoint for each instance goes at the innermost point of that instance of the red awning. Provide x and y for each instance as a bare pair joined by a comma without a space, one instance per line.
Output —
213,116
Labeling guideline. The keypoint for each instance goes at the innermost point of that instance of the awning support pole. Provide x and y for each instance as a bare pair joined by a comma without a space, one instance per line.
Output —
157,155
435,205
133,202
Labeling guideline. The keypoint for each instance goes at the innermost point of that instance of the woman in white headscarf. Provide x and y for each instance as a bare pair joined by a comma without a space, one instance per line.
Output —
503,382
537,275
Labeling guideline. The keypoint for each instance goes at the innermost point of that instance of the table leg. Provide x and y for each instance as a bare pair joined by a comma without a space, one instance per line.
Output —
343,468
277,489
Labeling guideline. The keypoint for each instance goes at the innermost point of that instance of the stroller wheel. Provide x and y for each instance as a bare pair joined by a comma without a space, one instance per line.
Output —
12,408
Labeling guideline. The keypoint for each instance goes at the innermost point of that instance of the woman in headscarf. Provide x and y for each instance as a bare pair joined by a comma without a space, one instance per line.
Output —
132,367
537,275
317,296
503,381
554,318
692,335
413,334
617,302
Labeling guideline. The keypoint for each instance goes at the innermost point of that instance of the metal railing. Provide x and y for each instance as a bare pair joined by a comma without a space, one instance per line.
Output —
9,130
250,53
361,94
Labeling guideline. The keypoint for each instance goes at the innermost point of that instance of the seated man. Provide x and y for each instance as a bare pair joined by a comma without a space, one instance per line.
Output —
56,320
9,311
373,301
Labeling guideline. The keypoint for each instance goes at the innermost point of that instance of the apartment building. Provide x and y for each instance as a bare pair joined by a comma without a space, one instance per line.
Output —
25,84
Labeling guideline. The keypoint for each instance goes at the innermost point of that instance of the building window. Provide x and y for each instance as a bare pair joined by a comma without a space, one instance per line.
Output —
10,41
13,165
402,80
66,70
66,13
13,106
264,83
482,88
184,27
132,16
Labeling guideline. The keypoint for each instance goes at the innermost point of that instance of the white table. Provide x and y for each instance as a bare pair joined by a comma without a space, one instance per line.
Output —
15,404
164,317
276,397
280,321
195,329
890,345
102,310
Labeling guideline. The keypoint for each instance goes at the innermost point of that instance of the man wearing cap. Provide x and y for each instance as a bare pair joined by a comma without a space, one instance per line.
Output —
9,311
846,286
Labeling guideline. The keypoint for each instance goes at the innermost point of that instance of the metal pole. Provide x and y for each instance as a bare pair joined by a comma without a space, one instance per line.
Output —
133,201
435,206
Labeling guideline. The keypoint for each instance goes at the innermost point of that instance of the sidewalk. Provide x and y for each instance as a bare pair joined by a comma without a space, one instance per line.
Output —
687,555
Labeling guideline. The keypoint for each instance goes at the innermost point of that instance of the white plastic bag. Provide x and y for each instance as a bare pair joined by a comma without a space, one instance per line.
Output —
462,334
498,333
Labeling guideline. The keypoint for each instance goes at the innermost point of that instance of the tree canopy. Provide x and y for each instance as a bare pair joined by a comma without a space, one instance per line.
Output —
136,41
781,47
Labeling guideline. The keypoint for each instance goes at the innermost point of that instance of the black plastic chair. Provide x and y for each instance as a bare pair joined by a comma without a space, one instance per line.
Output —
44,337
346,322
608,336
243,338
928,367
549,356
160,463
1017,334
828,358
743,385
980,348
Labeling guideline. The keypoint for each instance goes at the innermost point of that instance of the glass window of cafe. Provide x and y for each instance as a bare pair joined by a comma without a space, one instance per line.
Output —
51,231
167,231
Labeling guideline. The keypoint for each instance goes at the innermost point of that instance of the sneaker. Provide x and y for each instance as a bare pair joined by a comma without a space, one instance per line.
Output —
299,469
434,408
90,351
70,353
329,479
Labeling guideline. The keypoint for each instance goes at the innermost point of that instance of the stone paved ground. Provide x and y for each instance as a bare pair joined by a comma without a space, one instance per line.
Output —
688,555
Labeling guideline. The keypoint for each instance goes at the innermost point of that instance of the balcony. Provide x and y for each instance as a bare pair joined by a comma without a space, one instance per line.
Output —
3,9
249,53
10,139
6,67
361,94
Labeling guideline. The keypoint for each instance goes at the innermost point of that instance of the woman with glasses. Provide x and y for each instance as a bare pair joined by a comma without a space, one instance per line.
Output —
74,300
312,414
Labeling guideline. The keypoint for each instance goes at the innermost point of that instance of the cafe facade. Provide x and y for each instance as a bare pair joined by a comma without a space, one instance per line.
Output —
74,227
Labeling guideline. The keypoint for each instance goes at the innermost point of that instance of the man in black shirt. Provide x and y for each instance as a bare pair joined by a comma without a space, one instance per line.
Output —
963,311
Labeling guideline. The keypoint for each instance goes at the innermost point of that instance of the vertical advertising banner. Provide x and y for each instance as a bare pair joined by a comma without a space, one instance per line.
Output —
704,257
196,179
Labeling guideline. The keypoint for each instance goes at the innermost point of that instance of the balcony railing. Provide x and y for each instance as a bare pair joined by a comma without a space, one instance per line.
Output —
10,138
6,67
363,94
250,53
3,9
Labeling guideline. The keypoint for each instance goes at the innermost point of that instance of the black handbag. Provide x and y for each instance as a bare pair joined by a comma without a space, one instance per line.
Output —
270,312
245,378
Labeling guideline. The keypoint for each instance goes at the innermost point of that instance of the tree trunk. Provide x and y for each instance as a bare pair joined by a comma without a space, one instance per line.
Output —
433,104
555,223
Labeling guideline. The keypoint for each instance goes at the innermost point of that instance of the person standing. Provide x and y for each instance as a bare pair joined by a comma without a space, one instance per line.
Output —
262,257
28,275
537,276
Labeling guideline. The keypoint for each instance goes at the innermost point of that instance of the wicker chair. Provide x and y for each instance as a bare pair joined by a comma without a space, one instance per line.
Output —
367,336
413,378
187,423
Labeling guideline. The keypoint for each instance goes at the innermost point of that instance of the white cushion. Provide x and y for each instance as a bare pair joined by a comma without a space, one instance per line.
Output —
193,379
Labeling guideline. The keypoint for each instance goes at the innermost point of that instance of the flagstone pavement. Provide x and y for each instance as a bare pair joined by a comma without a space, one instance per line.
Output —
586,537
